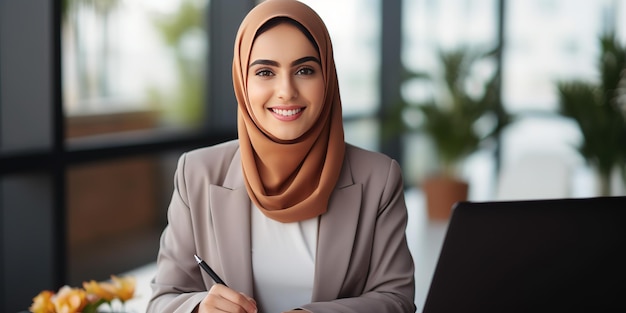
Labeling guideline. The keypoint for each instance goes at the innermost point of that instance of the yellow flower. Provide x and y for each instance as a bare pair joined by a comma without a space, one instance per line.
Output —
42,303
70,300
86,299
103,290
124,287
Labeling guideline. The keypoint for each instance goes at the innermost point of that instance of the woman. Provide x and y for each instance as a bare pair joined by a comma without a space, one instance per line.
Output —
289,216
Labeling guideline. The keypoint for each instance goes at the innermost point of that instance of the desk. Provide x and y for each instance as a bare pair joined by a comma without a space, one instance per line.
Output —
425,238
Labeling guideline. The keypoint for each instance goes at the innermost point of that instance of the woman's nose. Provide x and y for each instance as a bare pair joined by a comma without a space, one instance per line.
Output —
286,89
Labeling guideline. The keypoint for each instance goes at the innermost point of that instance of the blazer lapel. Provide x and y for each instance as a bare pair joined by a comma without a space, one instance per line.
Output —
337,231
230,205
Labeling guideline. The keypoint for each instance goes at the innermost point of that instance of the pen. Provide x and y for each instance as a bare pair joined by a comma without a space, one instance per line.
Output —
209,271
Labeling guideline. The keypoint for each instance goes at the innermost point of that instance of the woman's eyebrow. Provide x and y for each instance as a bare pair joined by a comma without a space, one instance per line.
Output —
264,62
305,59
276,64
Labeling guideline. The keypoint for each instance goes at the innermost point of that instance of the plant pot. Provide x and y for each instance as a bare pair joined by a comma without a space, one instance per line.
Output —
441,194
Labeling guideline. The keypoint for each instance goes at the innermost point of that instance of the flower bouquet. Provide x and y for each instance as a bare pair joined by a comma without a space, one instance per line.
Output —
87,299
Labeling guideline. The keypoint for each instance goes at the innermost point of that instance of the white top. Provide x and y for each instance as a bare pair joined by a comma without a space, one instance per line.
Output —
283,262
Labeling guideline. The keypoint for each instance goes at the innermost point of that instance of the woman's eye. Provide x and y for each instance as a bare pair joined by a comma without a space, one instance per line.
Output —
264,73
305,71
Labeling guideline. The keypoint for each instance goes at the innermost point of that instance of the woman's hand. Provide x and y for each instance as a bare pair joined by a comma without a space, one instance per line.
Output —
223,299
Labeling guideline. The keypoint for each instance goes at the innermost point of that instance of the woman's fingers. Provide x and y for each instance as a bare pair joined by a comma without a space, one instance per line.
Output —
249,299
223,299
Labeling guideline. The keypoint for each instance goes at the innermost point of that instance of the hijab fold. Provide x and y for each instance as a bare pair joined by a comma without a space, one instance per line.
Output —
289,181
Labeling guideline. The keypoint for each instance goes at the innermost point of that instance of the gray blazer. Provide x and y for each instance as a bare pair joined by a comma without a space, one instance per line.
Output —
363,263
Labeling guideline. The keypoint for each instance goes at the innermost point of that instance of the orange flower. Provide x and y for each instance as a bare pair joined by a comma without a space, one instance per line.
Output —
70,300
103,290
42,303
86,299
124,287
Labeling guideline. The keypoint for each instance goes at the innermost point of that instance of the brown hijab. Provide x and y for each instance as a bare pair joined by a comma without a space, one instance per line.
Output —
289,180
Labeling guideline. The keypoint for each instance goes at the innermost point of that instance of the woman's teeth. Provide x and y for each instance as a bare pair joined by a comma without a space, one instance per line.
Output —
286,112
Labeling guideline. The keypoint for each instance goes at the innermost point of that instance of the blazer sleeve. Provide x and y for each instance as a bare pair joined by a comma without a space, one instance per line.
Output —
177,286
390,282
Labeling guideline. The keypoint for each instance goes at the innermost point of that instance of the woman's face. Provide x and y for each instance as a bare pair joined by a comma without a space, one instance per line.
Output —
285,83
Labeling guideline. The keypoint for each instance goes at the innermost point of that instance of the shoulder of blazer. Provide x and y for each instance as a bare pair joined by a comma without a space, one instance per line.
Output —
365,164
354,153
212,164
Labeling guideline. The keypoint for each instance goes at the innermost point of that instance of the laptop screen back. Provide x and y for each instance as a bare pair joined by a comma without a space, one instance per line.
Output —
559,255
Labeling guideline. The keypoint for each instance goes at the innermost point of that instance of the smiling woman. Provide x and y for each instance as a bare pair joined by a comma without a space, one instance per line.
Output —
289,215
286,88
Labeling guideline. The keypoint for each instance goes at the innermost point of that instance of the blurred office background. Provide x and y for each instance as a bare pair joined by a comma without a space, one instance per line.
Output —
98,98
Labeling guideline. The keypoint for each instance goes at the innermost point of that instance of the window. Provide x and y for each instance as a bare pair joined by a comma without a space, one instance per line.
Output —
129,68
544,41
133,65
68,152
547,42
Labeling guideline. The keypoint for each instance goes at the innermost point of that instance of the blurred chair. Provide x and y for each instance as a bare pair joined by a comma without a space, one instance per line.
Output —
540,176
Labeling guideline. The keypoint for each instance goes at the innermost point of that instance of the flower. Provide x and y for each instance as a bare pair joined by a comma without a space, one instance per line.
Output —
42,303
70,300
86,299
102,290
124,287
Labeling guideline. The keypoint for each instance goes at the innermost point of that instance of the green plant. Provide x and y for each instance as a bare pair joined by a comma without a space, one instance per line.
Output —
598,113
452,119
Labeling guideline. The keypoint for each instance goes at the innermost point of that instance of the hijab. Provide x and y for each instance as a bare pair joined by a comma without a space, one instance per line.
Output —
289,181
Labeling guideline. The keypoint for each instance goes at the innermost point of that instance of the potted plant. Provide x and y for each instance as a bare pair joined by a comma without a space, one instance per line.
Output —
452,120
599,110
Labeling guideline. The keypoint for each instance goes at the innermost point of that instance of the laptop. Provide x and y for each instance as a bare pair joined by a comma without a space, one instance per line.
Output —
557,255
